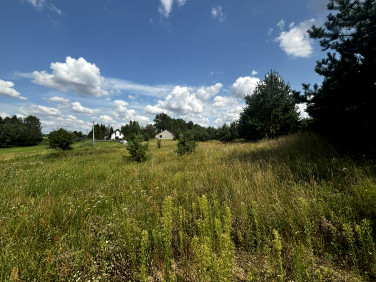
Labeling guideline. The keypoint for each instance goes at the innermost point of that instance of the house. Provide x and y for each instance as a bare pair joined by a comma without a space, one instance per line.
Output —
117,135
165,134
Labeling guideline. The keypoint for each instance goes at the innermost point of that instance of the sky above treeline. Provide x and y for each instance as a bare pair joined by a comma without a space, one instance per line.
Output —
71,62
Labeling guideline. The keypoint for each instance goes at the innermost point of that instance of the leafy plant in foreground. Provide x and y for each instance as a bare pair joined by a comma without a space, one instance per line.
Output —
186,145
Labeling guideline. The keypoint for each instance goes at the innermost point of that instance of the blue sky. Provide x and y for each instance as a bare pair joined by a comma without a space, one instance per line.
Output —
69,62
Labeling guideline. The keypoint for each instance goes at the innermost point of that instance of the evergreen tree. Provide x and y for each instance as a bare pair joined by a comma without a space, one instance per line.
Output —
343,106
270,111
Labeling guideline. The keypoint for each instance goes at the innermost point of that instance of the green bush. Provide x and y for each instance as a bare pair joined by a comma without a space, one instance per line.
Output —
137,150
61,138
186,145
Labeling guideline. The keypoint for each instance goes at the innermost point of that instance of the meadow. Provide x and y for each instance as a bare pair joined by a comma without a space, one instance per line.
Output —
292,208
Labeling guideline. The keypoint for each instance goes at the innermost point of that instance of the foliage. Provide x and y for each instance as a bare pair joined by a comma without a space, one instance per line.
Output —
149,132
138,151
131,130
62,139
343,107
187,144
209,217
20,131
227,133
270,111
101,132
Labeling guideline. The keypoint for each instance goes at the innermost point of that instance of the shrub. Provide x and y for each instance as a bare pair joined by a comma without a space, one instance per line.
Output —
61,138
137,150
186,145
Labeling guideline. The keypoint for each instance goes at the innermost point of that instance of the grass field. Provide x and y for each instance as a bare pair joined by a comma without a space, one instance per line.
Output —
286,209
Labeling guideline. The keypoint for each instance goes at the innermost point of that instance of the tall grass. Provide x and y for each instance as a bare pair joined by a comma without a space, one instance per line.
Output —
292,208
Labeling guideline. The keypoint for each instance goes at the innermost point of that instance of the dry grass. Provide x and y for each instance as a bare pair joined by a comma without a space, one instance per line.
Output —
81,214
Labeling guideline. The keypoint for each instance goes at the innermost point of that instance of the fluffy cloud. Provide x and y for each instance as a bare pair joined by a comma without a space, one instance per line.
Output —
222,101
296,41
205,93
106,119
3,115
77,75
6,89
217,13
79,109
244,86
69,122
181,101
166,6
281,24
37,110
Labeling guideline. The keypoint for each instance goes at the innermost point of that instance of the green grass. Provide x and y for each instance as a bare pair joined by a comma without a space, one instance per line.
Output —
90,213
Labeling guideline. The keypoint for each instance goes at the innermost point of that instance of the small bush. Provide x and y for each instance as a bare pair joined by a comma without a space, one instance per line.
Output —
137,150
61,138
186,145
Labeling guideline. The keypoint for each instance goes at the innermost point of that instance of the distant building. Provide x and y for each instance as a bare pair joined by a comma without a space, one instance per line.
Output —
117,135
165,134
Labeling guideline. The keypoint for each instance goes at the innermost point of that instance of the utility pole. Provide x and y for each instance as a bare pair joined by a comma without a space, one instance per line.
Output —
93,134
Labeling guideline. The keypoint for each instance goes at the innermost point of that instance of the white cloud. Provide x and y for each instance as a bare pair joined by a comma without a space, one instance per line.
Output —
77,75
79,109
166,6
122,112
270,31
107,120
281,24
68,122
244,86
37,110
57,99
40,4
4,115
141,89
181,101
253,73
296,41
6,89
217,13
154,110
222,101
302,110
205,93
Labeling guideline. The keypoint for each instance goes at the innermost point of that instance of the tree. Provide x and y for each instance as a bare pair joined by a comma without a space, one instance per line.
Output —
148,132
344,104
270,111
131,130
137,150
186,144
16,131
61,138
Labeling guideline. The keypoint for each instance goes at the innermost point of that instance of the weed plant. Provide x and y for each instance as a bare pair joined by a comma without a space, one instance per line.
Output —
291,208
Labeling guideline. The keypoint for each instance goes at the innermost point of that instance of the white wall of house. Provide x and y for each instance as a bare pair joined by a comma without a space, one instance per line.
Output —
165,134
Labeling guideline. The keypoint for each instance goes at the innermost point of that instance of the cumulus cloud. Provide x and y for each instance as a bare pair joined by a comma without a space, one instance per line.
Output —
6,89
296,42
222,101
4,115
166,6
122,112
205,93
78,75
106,119
37,110
79,109
244,86
68,122
40,4
217,13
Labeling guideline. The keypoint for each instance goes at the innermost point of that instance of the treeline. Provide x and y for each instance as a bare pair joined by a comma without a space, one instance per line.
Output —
17,131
